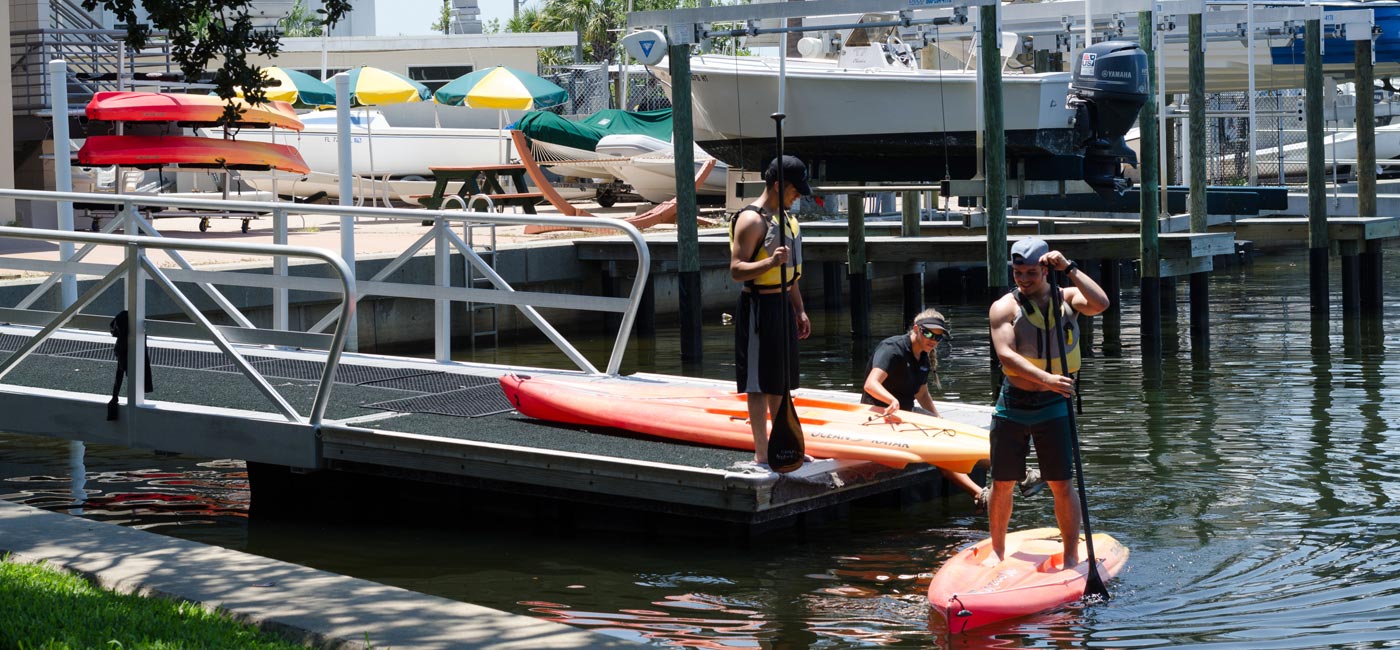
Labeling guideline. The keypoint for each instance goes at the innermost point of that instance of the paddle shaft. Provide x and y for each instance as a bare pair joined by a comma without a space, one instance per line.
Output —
782,241
1093,584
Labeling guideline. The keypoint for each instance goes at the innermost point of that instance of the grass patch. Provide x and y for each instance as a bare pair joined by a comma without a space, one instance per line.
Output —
42,608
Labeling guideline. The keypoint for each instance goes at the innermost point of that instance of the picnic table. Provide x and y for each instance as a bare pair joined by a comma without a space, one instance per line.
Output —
482,179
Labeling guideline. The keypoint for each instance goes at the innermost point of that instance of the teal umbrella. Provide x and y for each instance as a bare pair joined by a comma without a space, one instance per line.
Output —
296,88
502,88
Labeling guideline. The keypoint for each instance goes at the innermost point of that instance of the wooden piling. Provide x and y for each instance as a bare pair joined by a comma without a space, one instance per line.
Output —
1199,281
913,279
1365,131
1317,176
994,139
1150,269
687,215
855,267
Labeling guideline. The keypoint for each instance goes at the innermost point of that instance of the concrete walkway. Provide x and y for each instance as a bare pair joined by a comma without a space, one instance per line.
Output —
300,603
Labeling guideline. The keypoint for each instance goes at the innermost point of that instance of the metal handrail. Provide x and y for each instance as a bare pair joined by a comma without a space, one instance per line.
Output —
501,293
138,264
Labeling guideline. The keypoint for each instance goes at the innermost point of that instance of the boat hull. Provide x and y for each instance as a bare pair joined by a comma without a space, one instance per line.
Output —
968,592
886,124
716,417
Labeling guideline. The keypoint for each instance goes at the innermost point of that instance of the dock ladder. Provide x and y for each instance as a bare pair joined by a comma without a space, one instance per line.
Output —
479,311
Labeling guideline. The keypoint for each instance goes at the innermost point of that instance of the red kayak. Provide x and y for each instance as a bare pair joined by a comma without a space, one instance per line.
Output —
970,590
188,151
196,110
716,417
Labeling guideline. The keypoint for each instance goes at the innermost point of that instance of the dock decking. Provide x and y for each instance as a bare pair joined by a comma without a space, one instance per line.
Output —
417,420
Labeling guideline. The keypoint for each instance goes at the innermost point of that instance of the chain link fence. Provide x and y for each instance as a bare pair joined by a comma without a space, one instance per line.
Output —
1280,140
593,88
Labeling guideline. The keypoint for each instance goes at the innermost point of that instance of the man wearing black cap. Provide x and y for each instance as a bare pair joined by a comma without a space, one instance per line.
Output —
757,259
1032,406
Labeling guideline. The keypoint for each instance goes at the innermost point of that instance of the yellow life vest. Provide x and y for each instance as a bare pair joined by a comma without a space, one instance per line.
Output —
770,278
1031,337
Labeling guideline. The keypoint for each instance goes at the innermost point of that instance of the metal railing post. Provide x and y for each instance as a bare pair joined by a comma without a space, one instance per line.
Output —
442,277
62,170
280,316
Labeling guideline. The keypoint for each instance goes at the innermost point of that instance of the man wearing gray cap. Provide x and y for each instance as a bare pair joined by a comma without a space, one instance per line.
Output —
1032,406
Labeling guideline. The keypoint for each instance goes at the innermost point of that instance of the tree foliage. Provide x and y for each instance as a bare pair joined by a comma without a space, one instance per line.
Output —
444,21
300,22
202,32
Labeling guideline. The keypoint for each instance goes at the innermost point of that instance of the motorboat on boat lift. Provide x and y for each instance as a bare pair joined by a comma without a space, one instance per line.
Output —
872,114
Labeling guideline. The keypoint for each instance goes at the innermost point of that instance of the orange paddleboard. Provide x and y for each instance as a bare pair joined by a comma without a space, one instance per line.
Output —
188,151
972,589
717,417
203,110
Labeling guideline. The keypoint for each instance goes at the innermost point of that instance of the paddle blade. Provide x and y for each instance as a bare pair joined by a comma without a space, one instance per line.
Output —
786,447
1093,585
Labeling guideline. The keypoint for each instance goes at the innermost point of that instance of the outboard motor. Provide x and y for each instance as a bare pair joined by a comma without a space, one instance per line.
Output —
1108,90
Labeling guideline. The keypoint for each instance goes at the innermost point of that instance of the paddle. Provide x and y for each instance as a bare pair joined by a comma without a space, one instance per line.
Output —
1093,584
786,449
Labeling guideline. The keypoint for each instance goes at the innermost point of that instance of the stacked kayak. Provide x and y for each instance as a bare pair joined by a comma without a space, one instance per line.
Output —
194,110
188,151
716,417
972,590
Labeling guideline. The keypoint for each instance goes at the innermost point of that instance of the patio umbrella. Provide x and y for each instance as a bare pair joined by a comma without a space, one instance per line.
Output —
370,86
296,88
503,89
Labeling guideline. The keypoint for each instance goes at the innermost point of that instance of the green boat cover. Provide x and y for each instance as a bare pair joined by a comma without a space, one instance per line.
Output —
585,134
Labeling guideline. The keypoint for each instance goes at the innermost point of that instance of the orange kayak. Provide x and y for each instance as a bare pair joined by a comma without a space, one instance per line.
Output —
970,592
188,151
203,110
715,417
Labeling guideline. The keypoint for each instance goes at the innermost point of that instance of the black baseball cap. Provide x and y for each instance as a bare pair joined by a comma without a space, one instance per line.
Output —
794,174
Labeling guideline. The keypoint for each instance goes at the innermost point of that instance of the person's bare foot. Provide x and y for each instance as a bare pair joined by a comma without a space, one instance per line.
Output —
1071,562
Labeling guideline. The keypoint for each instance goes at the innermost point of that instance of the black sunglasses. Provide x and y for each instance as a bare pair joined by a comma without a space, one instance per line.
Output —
931,334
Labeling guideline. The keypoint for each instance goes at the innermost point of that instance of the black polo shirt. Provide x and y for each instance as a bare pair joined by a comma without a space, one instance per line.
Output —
904,374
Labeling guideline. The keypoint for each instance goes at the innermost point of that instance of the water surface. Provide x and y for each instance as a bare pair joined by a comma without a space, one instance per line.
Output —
1256,493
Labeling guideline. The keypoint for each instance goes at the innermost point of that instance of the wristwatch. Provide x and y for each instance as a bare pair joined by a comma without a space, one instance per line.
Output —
1073,266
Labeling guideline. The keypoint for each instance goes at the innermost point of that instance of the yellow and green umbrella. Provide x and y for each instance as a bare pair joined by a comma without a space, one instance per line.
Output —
501,88
370,86
296,88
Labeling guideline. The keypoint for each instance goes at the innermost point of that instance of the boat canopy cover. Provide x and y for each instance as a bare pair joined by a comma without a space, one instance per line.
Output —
585,134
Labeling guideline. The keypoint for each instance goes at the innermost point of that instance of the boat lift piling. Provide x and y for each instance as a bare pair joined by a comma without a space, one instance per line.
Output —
857,274
1200,280
687,212
1149,266
913,279
1317,193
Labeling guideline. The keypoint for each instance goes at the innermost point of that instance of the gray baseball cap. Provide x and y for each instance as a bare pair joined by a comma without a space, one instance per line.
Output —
1029,250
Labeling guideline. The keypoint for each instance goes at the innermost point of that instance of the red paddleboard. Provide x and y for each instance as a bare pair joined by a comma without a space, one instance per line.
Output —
970,591
188,151
716,417
123,106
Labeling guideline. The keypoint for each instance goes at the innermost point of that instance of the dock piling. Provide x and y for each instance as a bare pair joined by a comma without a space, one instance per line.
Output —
1150,266
1200,280
856,267
1317,176
687,228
